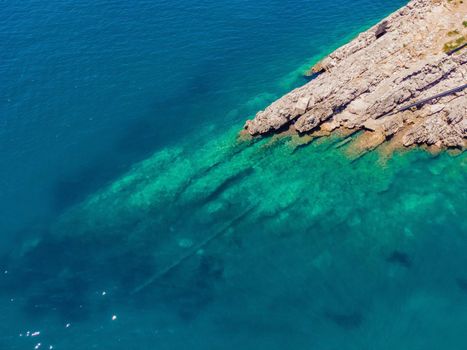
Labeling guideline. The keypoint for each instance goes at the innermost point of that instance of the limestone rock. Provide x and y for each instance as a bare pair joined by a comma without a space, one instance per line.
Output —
365,83
302,105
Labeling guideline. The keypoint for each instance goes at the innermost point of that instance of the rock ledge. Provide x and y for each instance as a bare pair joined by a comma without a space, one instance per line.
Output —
365,84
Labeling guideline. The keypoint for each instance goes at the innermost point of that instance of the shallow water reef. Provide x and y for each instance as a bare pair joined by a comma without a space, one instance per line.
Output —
263,223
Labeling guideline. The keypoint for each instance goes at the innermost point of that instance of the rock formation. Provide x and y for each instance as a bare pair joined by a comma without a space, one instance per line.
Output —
367,83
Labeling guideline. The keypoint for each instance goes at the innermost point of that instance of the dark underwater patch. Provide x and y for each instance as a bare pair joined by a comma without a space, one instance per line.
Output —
130,269
75,186
346,321
55,277
462,284
400,258
189,288
229,181
65,296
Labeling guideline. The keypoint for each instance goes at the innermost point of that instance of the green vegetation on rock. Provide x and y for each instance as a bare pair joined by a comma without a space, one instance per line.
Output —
454,44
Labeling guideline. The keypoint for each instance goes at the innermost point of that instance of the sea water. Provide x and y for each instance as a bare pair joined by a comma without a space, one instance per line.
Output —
134,218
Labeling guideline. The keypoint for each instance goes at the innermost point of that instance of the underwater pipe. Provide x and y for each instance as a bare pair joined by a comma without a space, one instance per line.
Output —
199,246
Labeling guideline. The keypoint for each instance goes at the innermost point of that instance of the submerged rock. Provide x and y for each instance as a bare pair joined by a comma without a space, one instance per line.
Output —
347,321
372,82
400,258
462,284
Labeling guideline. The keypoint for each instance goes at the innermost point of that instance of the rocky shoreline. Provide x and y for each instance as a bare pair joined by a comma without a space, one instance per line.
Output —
383,82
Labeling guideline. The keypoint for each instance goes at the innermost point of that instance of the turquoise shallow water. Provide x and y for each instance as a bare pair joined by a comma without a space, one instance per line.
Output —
133,218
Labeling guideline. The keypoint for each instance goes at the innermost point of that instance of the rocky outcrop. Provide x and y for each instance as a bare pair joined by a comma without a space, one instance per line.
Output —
366,83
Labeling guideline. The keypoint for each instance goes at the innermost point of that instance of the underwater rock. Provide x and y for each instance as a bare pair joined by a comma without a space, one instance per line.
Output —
400,258
372,82
346,321
462,284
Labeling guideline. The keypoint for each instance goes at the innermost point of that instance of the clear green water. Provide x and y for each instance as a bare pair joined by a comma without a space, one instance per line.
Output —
263,244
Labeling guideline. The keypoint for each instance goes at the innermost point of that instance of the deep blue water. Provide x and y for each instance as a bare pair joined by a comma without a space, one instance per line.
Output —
310,251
